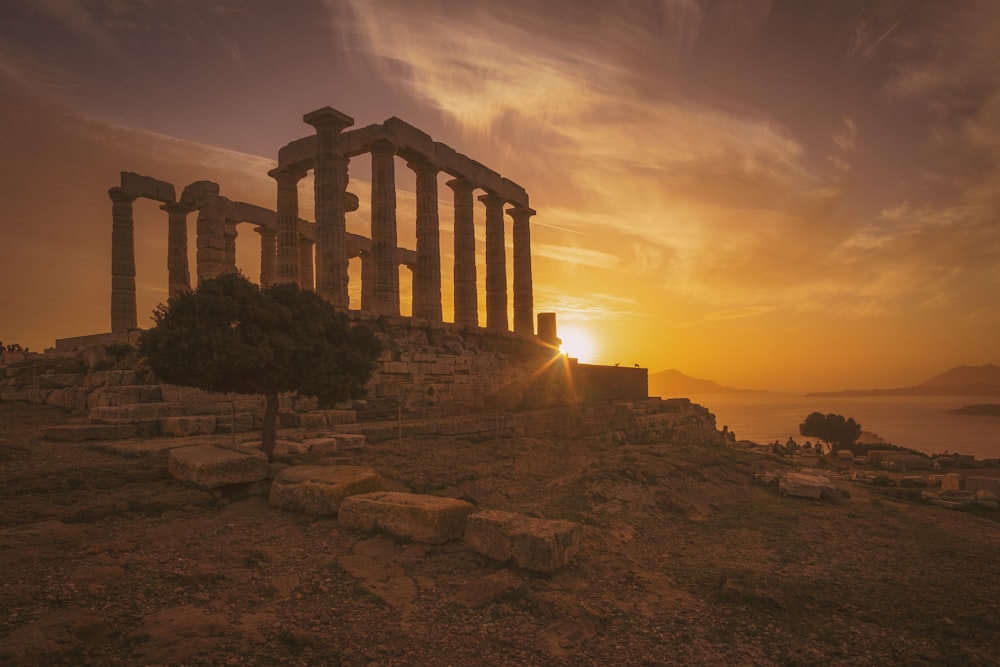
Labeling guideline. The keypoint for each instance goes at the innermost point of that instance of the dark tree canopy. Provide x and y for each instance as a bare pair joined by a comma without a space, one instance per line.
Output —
831,428
230,335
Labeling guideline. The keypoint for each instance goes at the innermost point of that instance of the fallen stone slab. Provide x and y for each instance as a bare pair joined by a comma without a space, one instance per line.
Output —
210,467
320,489
805,485
542,545
421,518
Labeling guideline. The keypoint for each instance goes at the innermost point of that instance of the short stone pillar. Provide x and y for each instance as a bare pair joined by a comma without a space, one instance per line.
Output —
547,329
466,296
229,262
427,273
523,291
123,309
268,254
306,276
496,264
287,218
178,273
385,290
330,187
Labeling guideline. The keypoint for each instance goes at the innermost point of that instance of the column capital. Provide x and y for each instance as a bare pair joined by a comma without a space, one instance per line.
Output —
264,231
461,184
381,146
122,195
423,165
176,207
521,212
287,174
328,118
491,198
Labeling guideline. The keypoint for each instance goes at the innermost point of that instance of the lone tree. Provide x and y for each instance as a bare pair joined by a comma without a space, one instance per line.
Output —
230,335
831,429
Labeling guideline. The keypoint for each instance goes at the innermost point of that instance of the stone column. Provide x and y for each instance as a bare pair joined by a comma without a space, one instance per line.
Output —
496,264
306,278
330,186
427,273
123,317
178,273
268,254
287,218
211,256
524,309
385,290
466,296
229,262
367,280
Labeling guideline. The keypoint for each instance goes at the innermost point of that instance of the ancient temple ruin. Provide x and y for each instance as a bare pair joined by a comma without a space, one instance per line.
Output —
288,243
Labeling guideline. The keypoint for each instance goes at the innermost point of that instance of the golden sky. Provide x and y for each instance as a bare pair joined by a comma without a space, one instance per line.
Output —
775,195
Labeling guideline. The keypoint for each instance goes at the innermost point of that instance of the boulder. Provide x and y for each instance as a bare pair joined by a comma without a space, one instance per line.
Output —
320,489
806,485
210,467
421,518
543,545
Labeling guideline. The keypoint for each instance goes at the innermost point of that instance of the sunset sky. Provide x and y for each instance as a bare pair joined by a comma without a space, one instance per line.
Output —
778,195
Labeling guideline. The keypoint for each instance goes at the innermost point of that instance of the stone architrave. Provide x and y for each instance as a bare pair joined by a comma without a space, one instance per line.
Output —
268,254
229,263
178,274
466,296
385,290
306,277
524,310
211,254
427,273
287,219
496,264
330,186
123,309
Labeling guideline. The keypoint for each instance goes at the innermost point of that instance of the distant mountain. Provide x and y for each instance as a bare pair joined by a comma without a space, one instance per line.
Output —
959,381
673,383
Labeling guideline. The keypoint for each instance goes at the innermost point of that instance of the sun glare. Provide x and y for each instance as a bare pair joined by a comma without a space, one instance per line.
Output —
578,344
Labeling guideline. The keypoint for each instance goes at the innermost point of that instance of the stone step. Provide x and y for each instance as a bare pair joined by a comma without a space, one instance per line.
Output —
210,466
420,518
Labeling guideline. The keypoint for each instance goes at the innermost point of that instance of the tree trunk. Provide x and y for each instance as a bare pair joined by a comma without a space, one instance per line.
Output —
270,429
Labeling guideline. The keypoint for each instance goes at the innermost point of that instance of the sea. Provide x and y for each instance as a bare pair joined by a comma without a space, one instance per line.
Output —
924,423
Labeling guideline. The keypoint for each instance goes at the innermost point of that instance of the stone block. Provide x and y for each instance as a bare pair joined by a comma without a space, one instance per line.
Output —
210,467
334,417
286,447
312,420
320,489
542,545
180,426
421,518
976,484
321,446
805,485
951,481
350,440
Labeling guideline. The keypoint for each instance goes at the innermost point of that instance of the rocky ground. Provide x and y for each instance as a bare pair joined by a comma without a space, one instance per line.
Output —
686,559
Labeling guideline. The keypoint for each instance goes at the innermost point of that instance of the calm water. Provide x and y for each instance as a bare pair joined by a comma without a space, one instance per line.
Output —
919,422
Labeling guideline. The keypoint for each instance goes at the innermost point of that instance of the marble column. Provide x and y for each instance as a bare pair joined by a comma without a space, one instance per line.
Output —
287,218
427,273
385,290
178,273
229,262
306,277
268,254
496,264
466,296
211,255
524,309
330,188
123,310
367,280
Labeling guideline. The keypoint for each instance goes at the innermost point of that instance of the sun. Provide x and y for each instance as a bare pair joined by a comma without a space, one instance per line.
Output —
578,344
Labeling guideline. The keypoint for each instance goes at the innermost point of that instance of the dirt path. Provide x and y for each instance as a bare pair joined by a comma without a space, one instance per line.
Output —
686,560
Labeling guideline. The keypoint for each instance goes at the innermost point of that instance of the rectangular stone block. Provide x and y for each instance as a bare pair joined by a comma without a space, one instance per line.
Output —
334,417
542,545
210,467
180,426
320,490
312,420
951,481
421,518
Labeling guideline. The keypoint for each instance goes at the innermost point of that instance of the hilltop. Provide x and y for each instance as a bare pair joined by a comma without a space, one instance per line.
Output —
672,382
685,559
958,381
